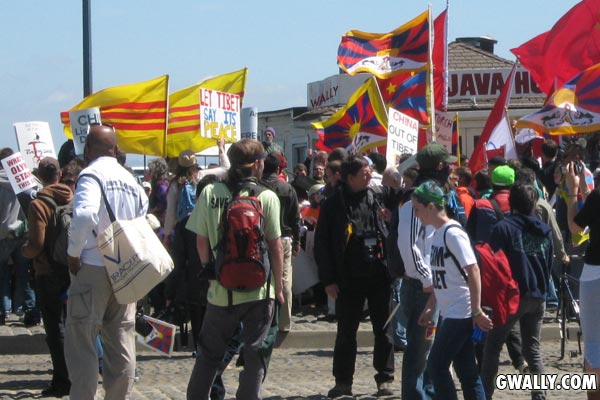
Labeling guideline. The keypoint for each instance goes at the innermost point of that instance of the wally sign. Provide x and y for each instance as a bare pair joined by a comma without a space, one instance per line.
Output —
219,115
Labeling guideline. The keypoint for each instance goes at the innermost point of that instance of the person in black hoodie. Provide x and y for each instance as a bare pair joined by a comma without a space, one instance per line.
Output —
527,243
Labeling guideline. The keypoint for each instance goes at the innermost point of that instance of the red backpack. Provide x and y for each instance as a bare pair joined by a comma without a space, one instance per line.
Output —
242,261
499,290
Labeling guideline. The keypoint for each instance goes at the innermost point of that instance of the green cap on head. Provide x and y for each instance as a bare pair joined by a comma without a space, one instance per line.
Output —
504,176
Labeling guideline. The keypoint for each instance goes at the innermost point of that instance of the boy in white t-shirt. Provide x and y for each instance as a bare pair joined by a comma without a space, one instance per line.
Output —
457,292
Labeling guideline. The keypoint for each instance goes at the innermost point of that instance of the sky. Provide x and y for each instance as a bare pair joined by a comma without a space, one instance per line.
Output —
284,44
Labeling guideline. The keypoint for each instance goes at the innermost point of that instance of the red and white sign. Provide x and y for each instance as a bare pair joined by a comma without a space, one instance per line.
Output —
18,173
403,136
35,141
487,84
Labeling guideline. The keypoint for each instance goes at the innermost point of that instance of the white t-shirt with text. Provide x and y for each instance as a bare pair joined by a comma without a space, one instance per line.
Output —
451,288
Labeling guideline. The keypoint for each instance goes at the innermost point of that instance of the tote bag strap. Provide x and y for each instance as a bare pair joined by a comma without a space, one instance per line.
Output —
109,210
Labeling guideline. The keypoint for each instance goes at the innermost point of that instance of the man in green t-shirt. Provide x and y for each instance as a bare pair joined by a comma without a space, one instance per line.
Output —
228,308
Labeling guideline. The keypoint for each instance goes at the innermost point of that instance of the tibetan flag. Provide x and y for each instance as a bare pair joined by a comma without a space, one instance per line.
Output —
496,137
408,94
440,60
573,109
137,111
161,338
404,49
184,112
571,46
359,126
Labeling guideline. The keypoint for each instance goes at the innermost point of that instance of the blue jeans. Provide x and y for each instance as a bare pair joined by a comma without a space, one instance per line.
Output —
416,383
24,296
453,344
399,320
530,314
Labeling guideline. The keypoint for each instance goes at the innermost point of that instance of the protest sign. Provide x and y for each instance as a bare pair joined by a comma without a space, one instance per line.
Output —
249,123
18,173
219,115
403,135
161,338
80,122
443,125
35,141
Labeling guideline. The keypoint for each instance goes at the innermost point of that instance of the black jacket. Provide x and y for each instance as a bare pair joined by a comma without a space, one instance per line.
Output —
290,213
336,250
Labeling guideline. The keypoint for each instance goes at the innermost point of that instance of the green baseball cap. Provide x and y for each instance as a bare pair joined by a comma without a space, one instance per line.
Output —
503,175
430,156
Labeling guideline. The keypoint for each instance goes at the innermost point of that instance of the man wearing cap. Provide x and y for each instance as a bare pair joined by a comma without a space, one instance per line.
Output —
290,230
269,141
92,306
51,279
486,212
226,309
414,244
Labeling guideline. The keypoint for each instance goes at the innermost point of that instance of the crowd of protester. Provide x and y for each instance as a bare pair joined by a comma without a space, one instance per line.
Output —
386,241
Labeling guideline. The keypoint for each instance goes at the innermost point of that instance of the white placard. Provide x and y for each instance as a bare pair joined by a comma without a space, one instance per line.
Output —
35,141
80,122
219,115
249,123
443,125
18,173
403,135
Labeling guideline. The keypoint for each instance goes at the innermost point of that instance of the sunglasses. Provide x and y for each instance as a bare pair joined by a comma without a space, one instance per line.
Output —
68,181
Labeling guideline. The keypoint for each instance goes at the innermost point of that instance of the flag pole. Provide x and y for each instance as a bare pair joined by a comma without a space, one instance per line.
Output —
165,152
458,149
431,92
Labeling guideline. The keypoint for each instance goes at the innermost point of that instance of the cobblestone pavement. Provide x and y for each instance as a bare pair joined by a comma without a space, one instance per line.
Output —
293,374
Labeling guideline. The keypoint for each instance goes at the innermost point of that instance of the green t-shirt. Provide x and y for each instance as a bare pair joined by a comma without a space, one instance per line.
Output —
205,220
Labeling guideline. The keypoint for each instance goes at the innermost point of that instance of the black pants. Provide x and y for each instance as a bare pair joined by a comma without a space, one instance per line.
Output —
51,291
376,289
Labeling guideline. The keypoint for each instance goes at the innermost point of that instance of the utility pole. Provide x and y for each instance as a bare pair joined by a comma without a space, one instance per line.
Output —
87,48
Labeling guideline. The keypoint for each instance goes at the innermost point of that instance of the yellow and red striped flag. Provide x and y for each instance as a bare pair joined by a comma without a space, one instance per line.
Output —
184,112
138,112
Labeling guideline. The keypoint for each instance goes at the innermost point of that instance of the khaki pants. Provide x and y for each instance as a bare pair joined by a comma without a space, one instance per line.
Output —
285,311
91,310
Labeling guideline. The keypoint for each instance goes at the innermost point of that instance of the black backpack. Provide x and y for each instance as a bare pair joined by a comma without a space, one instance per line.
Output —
57,233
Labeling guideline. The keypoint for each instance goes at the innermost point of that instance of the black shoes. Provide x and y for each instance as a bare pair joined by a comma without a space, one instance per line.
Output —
29,320
55,391
339,390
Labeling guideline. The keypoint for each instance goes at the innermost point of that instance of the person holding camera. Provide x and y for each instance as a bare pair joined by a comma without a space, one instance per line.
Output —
350,254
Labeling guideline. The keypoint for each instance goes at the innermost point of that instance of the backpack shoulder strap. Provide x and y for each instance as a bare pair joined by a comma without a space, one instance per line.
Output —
497,210
48,200
449,253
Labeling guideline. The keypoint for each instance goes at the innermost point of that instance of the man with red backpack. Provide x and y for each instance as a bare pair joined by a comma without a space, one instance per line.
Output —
248,268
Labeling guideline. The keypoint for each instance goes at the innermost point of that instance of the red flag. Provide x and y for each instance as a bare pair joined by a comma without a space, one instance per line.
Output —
571,46
407,93
440,60
497,133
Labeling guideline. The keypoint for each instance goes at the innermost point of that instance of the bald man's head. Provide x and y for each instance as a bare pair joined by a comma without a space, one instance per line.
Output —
101,142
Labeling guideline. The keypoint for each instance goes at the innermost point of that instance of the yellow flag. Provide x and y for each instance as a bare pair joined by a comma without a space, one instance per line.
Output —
137,111
184,112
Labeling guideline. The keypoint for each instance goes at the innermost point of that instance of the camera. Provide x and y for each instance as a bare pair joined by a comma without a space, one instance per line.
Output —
372,246
578,167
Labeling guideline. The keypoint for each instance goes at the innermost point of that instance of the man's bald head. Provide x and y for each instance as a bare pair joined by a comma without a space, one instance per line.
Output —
101,142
